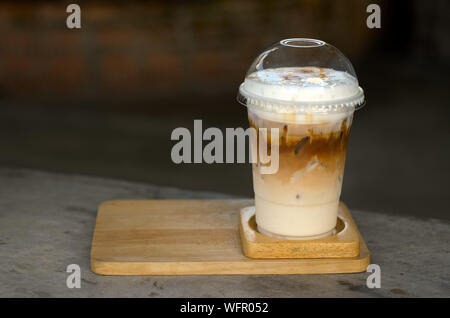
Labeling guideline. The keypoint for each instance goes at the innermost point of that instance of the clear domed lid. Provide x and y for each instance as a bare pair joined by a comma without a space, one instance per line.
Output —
301,76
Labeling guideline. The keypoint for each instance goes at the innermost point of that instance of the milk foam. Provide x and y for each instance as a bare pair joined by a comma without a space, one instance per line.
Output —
302,94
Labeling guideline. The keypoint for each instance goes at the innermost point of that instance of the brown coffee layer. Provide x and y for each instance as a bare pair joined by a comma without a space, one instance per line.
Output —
306,145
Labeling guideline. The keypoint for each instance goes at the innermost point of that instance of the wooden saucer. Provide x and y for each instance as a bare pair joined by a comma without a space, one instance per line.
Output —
345,243
190,237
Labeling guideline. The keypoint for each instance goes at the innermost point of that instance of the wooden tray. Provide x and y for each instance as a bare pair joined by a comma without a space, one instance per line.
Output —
344,243
190,237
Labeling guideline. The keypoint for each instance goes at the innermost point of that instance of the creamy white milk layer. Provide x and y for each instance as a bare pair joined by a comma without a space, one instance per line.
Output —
301,94
295,222
302,84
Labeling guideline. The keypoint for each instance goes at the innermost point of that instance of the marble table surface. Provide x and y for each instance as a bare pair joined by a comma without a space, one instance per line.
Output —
47,221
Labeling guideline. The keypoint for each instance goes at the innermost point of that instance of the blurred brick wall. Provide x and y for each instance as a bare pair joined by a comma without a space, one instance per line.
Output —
137,52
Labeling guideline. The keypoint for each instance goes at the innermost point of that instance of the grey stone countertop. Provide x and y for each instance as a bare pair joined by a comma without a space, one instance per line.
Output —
47,221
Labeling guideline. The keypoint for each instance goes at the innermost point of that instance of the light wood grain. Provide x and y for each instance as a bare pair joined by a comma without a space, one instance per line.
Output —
189,237
345,243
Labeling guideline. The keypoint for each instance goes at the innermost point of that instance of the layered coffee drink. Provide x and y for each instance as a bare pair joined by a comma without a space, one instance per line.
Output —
306,188
312,108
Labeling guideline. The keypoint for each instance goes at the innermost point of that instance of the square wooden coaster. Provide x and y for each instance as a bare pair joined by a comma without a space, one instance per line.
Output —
344,243
190,237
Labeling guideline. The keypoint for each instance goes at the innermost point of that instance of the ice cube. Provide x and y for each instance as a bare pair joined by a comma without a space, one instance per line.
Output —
296,175
312,164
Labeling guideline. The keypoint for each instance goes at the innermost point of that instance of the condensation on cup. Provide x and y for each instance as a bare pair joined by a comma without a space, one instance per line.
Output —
308,90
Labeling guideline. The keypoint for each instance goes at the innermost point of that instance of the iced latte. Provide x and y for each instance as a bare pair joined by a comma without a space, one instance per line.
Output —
312,107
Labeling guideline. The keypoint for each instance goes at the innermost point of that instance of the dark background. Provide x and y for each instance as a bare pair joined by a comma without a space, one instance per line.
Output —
103,100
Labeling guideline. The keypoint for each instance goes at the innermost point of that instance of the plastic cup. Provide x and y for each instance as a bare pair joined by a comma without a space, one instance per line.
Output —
308,91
